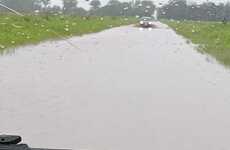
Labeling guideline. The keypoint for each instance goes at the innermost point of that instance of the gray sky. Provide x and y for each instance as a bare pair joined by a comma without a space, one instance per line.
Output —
85,4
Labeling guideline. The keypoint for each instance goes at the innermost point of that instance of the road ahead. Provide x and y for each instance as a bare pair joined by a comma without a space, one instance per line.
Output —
120,89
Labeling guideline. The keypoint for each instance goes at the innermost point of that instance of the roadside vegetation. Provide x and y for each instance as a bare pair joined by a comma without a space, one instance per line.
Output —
208,26
212,37
16,30
47,20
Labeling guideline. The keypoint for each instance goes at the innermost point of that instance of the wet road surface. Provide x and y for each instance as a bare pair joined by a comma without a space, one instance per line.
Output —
120,89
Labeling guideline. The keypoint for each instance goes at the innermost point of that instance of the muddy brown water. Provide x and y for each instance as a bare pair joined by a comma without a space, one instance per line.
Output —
120,89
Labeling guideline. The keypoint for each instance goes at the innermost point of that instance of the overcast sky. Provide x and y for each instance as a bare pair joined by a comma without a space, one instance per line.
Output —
85,4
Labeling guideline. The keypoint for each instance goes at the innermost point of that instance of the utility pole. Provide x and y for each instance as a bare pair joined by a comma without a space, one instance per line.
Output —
12,10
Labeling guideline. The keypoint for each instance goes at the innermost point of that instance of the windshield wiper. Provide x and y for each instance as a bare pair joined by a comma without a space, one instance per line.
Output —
12,142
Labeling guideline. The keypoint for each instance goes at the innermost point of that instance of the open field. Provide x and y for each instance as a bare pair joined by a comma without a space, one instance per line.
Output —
15,30
213,37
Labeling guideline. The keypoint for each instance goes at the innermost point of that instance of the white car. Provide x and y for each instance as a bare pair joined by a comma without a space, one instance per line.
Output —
146,22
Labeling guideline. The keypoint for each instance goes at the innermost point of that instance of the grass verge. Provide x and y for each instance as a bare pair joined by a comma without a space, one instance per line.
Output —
213,37
15,30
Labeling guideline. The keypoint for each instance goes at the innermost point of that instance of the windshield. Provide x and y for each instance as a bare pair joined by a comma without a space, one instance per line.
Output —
146,18
115,74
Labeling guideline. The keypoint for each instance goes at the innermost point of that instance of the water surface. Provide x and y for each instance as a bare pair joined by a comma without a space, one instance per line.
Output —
120,89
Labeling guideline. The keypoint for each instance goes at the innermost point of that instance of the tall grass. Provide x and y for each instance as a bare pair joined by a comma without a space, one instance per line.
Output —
213,37
15,30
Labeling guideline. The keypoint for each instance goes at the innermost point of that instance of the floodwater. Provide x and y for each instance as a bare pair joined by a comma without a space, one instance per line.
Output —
120,89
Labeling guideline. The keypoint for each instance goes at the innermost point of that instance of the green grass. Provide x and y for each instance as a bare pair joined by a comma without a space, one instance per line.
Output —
16,30
213,37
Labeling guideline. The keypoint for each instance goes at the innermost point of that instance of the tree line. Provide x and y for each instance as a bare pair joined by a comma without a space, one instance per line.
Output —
174,9
207,11
39,6
112,8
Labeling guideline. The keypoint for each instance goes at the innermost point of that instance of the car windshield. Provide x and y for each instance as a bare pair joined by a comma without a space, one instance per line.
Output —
115,74
146,18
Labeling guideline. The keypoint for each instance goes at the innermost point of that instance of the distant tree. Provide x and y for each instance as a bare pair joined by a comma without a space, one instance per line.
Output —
113,3
80,11
148,7
45,2
137,3
69,5
112,8
175,9
45,6
143,8
126,8
131,8
54,10
227,11
95,4
22,5
208,11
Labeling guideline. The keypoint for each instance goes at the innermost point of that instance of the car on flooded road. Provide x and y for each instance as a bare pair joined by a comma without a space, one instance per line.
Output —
146,22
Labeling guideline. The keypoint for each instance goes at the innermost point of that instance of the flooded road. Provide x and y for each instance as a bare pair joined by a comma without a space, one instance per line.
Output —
120,89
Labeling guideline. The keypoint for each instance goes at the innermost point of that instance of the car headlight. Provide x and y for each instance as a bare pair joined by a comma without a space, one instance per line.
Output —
141,22
150,23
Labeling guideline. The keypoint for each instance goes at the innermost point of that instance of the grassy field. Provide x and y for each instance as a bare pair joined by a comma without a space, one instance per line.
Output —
213,37
15,30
